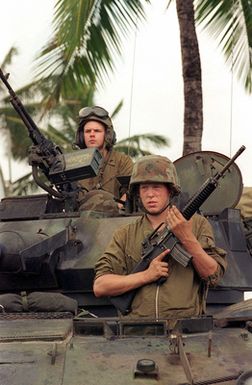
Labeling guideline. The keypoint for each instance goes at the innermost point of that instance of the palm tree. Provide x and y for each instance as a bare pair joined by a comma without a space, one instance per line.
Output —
230,24
61,124
87,36
193,106
137,145
63,115
8,116
61,121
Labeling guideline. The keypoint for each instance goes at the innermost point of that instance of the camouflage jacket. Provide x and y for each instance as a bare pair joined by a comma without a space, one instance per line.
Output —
183,293
117,164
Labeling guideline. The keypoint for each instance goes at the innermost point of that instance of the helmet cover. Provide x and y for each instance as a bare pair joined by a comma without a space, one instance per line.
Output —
154,169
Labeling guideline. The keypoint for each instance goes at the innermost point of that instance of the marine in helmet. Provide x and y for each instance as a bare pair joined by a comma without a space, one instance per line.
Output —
96,130
154,182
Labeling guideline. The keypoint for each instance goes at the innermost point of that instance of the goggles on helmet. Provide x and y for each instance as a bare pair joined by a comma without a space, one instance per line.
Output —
99,112
100,115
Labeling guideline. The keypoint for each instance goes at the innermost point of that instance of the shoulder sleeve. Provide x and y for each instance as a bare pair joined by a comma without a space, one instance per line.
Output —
113,259
126,165
204,233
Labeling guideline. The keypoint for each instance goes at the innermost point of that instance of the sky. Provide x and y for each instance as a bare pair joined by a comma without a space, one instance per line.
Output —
148,77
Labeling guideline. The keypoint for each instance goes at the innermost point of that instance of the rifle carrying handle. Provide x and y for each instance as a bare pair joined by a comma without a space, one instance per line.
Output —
123,302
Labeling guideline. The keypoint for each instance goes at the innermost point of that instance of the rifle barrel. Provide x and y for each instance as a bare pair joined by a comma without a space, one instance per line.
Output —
231,160
123,302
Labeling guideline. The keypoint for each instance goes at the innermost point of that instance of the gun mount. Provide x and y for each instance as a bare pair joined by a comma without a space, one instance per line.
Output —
60,169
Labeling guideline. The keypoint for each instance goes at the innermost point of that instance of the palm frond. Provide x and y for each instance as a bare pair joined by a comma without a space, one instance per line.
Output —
137,145
13,51
132,151
230,23
149,138
117,109
87,36
25,185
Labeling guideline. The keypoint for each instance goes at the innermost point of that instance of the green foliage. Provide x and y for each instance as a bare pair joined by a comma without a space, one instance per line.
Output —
87,36
61,121
136,146
24,185
86,39
230,24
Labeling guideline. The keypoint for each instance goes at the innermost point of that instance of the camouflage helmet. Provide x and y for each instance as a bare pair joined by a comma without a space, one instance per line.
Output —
97,114
154,169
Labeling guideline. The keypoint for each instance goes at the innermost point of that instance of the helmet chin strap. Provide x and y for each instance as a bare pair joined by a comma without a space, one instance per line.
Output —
153,214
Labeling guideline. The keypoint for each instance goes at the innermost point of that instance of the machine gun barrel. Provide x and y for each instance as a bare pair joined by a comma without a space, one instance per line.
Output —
167,240
60,169
48,148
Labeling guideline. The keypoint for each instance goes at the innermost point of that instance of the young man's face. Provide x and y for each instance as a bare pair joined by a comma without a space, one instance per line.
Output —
154,197
94,134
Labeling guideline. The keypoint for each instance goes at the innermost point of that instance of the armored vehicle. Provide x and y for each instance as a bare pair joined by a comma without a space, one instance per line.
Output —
54,331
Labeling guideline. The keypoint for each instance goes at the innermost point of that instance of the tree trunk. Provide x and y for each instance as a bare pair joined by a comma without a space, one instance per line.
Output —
193,105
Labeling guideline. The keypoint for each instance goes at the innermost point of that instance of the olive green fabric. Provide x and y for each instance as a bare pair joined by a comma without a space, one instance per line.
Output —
245,203
182,294
38,302
118,164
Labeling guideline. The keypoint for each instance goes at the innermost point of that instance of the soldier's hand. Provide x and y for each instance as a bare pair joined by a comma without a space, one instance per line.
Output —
177,223
157,268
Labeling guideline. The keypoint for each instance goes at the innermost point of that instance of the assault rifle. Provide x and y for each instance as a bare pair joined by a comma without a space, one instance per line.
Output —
156,243
60,169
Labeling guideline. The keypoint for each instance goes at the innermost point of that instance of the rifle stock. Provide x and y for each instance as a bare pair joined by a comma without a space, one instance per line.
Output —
167,240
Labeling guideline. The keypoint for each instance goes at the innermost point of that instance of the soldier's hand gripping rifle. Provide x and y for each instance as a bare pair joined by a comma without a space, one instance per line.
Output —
60,169
155,244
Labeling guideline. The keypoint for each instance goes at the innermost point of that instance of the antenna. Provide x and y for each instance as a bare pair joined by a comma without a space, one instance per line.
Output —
132,83
232,82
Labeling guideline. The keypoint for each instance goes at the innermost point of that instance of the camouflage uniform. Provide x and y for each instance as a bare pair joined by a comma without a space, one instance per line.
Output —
183,293
99,203
118,164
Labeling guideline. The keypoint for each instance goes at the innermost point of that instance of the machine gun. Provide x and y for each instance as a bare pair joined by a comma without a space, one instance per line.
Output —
60,169
156,243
